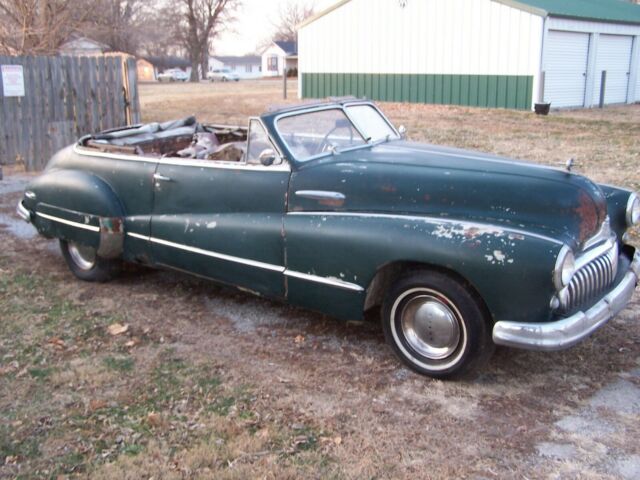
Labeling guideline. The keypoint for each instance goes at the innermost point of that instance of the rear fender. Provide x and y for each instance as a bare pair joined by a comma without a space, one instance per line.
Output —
77,206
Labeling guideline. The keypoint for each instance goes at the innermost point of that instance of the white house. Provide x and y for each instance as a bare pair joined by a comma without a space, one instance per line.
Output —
78,45
490,53
247,66
278,56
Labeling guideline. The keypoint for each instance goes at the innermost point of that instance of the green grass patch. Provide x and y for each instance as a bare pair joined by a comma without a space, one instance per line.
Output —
120,364
40,373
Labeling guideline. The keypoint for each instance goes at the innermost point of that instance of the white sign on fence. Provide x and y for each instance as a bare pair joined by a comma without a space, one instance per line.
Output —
12,80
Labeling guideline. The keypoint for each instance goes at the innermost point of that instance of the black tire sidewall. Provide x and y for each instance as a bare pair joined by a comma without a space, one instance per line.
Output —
476,344
102,271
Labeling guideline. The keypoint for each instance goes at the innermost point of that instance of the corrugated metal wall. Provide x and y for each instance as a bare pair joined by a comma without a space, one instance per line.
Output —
465,52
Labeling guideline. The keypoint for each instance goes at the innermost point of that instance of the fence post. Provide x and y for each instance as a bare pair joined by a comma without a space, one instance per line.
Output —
603,88
284,82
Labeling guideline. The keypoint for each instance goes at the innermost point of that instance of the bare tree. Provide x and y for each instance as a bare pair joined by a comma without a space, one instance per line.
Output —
118,23
199,22
38,26
290,16
286,26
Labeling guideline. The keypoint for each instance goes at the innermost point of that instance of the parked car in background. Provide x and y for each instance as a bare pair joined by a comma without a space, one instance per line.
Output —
222,75
328,207
173,75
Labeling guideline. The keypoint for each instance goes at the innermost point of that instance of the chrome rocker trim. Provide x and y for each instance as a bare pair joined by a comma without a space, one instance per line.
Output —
569,331
23,213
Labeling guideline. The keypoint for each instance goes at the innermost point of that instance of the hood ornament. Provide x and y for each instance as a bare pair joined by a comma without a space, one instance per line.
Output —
570,164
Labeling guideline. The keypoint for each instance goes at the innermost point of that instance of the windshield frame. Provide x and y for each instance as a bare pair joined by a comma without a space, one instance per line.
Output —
334,106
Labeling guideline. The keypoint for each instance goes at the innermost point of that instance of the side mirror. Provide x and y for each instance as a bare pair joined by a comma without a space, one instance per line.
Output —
402,131
267,157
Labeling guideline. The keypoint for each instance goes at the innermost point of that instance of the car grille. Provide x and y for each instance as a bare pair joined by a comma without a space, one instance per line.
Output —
591,280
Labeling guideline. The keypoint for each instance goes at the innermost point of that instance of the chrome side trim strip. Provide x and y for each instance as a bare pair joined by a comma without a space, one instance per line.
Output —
334,282
91,228
139,237
320,195
208,253
425,218
284,167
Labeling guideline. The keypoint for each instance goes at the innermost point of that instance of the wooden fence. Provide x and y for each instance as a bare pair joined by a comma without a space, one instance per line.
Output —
64,98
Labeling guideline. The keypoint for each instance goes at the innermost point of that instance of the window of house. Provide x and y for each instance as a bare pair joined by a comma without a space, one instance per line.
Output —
272,63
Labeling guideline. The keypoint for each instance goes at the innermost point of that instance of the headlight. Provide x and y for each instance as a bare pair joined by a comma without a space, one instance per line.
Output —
565,268
633,210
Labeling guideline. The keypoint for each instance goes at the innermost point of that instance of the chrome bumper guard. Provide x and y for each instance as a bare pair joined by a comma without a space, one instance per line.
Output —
569,331
23,213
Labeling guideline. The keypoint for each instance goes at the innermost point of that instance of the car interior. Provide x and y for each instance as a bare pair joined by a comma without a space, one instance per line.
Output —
185,138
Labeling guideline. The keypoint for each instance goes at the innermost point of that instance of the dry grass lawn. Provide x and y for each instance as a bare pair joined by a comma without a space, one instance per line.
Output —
158,375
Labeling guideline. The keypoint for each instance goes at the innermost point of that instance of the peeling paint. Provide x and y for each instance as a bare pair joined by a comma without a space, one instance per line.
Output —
499,256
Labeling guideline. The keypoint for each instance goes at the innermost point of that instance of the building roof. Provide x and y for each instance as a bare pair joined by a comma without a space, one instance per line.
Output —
290,48
617,11
77,41
243,60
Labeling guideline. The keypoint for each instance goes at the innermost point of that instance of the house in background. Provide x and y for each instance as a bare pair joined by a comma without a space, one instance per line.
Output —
278,56
146,70
247,66
484,53
79,45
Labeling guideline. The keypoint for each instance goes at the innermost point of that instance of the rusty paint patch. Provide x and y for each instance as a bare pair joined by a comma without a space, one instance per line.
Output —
388,188
588,215
331,202
111,225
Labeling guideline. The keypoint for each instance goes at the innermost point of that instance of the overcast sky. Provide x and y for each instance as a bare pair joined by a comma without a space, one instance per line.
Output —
255,24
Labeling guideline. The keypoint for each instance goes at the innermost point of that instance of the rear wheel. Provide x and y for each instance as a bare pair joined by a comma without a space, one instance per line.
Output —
436,326
85,263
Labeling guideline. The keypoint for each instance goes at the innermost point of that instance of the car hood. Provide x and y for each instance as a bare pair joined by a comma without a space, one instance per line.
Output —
403,177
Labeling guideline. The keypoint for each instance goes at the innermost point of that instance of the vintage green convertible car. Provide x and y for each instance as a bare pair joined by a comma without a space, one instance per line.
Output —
328,207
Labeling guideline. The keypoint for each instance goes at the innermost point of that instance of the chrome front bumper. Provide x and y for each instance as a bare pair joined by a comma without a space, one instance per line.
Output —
23,213
569,331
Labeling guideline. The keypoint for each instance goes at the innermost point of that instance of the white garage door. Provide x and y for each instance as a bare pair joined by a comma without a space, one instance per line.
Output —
566,57
638,78
613,56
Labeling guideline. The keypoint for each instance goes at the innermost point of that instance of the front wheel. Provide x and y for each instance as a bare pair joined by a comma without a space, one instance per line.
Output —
85,263
436,326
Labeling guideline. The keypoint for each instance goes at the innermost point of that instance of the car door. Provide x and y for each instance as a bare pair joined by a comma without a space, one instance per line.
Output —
224,220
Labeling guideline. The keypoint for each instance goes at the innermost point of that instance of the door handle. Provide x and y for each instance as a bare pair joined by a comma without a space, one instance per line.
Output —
161,178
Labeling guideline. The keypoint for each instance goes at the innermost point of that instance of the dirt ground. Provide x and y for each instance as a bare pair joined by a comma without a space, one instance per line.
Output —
159,375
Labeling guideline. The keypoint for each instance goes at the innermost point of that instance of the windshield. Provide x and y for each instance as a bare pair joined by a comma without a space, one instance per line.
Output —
310,134
371,123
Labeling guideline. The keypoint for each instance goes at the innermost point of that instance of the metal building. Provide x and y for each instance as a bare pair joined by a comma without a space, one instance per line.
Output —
488,53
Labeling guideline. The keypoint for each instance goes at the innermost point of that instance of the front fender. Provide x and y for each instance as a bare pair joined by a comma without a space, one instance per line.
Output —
617,199
511,270
77,206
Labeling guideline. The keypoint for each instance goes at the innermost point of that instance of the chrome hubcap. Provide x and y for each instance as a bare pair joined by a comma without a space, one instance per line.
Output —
84,257
430,326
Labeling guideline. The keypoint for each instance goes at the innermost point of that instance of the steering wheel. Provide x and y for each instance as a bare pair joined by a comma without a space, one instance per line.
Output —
325,145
